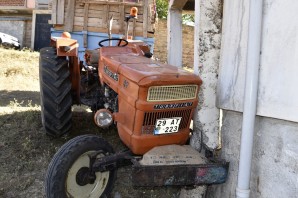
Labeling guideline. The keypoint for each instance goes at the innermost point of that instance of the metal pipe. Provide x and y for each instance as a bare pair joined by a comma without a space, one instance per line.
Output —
197,36
250,98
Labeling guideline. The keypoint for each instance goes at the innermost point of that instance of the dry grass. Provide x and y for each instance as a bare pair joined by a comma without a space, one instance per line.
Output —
14,62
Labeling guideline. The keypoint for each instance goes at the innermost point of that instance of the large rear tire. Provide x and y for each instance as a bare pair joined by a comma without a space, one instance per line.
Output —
70,164
55,92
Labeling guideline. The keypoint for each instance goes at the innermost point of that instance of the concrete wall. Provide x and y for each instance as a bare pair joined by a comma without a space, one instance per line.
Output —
275,158
209,51
277,95
275,151
14,28
19,29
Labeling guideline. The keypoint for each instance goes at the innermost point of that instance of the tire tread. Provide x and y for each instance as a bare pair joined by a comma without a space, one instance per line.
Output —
55,89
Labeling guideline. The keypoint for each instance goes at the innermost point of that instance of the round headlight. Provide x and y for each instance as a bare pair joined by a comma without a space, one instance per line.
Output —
103,118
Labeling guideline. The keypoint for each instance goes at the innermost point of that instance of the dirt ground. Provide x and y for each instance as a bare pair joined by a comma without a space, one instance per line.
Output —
25,150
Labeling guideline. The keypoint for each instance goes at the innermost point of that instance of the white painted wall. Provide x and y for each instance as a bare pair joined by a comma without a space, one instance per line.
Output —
279,59
174,37
275,158
208,38
275,154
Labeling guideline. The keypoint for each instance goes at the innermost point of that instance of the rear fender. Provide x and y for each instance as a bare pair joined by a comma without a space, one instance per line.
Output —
65,45
68,47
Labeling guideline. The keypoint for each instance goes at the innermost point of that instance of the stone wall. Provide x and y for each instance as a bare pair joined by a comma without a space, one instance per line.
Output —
275,155
18,28
160,46
206,132
274,167
28,33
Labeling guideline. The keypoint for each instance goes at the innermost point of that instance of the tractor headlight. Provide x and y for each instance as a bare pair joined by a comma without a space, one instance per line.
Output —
103,118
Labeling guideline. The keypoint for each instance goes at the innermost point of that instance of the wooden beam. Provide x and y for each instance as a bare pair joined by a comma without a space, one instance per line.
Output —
54,10
60,12
190,5
111,3
134,29
70,13
85,28
177,4
121,20
107,18
145,18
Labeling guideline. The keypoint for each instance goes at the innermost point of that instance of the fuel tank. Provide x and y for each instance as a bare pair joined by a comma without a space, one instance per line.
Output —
131,63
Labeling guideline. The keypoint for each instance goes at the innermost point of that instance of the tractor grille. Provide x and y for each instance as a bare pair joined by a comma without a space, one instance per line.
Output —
172,93
151,117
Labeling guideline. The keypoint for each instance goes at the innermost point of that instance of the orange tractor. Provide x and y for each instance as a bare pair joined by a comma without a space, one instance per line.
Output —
151,103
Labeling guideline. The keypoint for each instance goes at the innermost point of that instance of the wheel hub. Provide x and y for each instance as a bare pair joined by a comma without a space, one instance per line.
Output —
84,176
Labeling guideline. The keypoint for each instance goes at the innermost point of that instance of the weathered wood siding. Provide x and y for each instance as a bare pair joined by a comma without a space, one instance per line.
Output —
87,15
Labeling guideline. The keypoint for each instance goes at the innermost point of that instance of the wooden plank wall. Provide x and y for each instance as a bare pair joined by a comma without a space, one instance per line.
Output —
93,15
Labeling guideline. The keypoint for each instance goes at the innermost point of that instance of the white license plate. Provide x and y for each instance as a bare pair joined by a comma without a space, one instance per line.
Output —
167,125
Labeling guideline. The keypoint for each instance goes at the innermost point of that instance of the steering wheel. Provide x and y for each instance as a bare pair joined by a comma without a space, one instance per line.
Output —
113,39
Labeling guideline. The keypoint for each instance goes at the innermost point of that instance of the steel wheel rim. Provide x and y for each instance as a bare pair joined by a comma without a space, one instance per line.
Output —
89,190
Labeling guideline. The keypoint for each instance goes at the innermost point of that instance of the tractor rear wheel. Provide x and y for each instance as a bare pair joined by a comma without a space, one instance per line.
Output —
69,172
55,92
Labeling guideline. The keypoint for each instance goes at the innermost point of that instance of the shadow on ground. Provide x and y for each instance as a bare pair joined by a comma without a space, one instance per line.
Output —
22,97
25,152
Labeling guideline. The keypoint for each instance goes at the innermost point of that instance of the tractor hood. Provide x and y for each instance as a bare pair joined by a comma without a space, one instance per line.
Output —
145,71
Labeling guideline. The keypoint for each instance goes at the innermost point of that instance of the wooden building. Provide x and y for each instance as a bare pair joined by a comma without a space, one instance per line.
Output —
94,15
88,20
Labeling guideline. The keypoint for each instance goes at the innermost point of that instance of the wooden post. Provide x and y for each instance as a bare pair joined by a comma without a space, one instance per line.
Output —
145,18
60,12
134,29
54,10
175,32
70,13
85,28
175,37
121,20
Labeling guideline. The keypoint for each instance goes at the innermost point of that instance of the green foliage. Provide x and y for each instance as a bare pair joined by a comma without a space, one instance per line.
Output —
162,12
188,18
162,8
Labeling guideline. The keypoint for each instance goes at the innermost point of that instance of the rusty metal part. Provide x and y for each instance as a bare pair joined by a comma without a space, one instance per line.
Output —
179,175
113,161
69,47
65,45
75,77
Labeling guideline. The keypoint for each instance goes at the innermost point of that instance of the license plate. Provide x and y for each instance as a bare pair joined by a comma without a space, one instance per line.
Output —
167,125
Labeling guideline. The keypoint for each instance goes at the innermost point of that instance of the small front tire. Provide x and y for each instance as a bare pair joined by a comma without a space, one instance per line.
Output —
70,162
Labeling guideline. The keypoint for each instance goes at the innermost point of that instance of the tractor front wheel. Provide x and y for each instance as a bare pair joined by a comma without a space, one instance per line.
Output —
68,172
55,92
